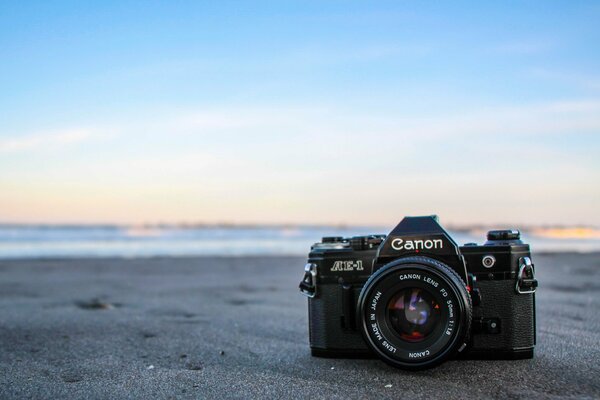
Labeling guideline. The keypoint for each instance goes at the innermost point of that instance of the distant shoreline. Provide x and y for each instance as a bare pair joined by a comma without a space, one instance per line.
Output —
234,225
236,257
131,241
549,231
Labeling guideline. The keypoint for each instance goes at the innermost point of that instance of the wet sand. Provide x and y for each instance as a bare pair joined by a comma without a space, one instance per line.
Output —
237,328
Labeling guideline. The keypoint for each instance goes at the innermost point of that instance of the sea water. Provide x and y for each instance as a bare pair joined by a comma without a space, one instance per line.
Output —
50,241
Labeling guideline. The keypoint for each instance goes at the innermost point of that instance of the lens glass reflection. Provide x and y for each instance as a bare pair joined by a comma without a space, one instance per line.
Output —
413,314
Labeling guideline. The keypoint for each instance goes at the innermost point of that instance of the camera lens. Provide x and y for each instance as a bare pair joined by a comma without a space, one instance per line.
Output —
415,312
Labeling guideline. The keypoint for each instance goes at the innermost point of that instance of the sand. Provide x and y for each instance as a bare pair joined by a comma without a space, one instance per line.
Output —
237,328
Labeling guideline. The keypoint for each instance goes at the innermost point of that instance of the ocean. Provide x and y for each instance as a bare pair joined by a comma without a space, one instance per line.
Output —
60,241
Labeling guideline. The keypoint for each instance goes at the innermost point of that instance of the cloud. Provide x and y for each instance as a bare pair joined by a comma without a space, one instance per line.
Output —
572,117
186,142
232,119
39,140
538,119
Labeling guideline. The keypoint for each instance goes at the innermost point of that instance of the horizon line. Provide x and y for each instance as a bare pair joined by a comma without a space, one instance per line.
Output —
249,225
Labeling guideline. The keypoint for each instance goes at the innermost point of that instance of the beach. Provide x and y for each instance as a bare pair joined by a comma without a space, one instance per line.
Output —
236,327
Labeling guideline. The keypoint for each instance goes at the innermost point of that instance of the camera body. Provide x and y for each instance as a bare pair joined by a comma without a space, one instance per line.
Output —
415,298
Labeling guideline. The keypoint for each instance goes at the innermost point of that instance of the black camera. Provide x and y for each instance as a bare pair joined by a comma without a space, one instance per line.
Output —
414,298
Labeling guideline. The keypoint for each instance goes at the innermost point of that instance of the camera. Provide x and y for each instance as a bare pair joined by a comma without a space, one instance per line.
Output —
415,299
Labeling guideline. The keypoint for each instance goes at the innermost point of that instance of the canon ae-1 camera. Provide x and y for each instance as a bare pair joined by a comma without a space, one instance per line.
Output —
414,298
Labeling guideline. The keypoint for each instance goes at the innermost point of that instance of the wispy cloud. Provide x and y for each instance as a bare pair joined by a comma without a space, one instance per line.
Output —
275,128
44,140
539,119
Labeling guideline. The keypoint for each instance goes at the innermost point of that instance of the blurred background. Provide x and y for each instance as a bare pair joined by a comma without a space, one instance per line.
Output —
189,128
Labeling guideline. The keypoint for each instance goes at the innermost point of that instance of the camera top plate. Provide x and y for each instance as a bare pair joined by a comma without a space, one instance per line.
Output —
422,236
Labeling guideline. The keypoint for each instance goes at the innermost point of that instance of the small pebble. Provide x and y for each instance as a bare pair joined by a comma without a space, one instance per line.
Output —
222,353
194,366
150,367
332,367
389,385
71,377
94,304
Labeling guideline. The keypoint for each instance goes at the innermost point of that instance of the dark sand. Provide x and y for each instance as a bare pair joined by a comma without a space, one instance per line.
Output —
237,328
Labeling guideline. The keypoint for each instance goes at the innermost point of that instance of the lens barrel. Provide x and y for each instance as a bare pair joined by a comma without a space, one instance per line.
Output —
415,312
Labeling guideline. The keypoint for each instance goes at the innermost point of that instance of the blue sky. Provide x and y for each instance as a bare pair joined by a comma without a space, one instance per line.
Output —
299,112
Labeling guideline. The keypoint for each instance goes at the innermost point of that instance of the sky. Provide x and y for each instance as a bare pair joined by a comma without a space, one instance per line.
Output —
300,112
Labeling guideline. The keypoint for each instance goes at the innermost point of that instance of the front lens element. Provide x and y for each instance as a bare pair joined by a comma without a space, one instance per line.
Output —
413,314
